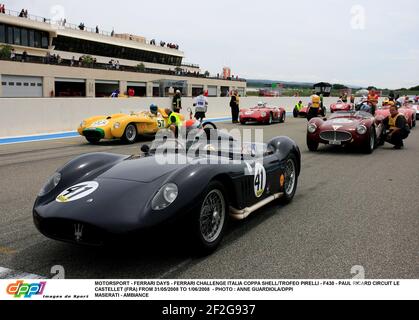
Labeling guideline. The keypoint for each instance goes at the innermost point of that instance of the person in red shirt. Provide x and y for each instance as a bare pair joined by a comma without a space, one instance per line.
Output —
131,92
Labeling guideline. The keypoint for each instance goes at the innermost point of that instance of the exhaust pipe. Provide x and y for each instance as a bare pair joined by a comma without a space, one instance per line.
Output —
243,214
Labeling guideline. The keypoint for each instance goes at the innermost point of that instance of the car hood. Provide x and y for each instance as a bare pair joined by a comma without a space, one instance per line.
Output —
341,123
145,170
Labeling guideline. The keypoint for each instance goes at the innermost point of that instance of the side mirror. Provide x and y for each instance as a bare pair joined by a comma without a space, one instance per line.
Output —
145,149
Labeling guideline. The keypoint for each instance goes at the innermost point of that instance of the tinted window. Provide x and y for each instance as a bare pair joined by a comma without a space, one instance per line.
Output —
16,34
95,48
10,35
45,41
24,35
2,33
37,43
31,38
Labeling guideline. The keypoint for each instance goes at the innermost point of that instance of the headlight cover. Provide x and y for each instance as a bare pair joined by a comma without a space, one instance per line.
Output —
165,197
83,124
263,114
50,185
361,129
312,128
117,125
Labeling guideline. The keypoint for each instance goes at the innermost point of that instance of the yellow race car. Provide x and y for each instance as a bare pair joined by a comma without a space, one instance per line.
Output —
126,127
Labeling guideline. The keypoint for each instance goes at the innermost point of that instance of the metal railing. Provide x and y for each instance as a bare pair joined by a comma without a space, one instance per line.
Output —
106,66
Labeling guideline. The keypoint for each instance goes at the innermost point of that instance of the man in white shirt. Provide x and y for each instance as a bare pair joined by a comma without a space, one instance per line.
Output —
201,107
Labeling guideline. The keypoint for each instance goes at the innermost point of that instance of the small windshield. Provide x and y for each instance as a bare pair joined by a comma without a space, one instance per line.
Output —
202,146
351,114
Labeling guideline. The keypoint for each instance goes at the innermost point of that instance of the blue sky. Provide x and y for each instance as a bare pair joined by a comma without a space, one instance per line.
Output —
352,42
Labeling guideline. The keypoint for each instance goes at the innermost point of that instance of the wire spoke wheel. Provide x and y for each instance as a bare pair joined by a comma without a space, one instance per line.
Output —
290,177
212,217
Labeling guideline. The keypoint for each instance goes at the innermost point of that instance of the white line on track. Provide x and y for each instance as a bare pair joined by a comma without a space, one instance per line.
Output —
167,274
12,274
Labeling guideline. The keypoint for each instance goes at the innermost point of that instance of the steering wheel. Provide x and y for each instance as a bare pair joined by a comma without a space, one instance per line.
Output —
209,125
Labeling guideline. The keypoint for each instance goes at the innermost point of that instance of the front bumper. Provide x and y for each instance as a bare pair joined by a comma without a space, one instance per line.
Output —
95,133
339,138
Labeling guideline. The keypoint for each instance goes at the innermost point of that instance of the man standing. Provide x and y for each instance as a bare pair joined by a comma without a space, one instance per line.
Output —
201,107
177,102
298,108
235,107
397,128
314,109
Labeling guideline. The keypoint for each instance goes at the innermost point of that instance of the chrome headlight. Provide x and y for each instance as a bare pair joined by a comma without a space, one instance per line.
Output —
361,129
117,125
165,197
83,124
263,114
50,184
312,128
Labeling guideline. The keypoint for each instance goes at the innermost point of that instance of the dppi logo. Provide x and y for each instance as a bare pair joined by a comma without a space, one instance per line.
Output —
26,290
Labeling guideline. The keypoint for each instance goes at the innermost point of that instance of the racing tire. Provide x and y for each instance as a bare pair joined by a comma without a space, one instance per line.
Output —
283,118
312,145
210,219
291,179
130,134
243,123
93,140
413,121
371,143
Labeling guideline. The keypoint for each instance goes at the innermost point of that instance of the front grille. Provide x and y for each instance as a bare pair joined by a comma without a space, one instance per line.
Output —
95,134
336,136
70,231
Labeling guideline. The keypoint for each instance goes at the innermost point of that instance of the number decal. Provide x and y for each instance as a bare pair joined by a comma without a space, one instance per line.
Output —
161,124
78,192
260,180
100,123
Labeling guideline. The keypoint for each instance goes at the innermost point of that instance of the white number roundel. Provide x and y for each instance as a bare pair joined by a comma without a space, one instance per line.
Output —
100,123
77,192
260,180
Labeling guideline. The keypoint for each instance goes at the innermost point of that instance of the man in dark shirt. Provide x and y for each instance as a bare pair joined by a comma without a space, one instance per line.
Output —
397,128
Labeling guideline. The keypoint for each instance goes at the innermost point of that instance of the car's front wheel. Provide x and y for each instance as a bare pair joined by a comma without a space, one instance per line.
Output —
371,143
130,134
210,220
291,179
284,115
312,145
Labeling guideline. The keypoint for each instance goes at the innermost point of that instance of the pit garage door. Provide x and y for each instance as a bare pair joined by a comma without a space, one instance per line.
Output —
21,87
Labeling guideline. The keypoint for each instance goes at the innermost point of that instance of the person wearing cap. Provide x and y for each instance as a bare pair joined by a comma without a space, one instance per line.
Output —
177,102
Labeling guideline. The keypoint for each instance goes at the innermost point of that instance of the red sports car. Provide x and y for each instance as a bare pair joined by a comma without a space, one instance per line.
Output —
340,106
408,111
356,128
263,113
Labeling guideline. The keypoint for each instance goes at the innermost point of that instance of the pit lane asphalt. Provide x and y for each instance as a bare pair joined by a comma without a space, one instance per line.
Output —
350,209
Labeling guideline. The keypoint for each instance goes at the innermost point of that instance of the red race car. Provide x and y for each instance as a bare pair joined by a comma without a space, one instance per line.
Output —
356,128
340,106
407,110
263,113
